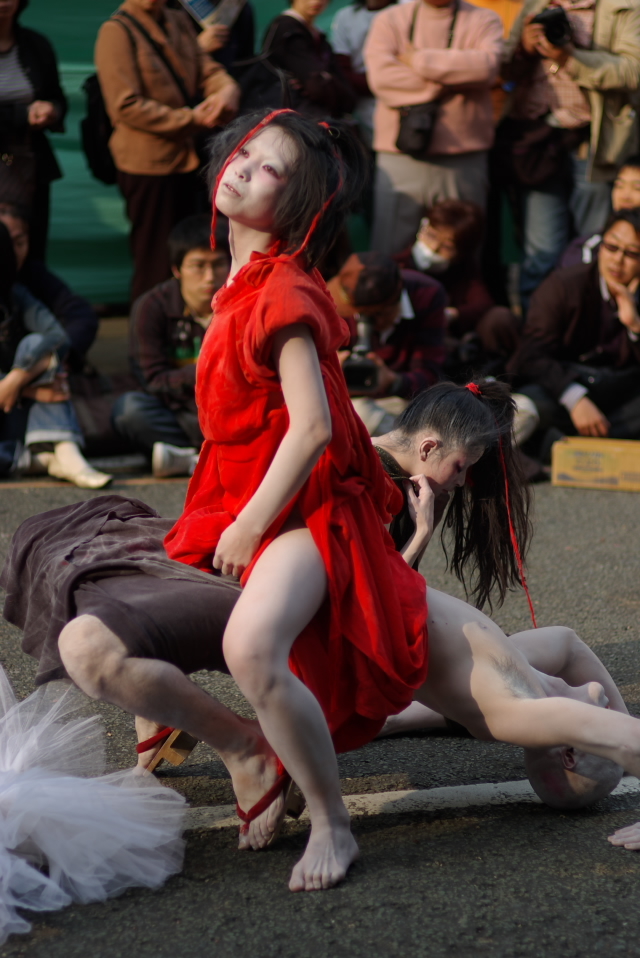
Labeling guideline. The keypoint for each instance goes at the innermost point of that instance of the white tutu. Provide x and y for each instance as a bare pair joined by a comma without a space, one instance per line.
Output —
94,837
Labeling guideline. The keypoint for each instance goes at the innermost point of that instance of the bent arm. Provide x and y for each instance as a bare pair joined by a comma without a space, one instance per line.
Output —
615,69
308,434
475,67
389,79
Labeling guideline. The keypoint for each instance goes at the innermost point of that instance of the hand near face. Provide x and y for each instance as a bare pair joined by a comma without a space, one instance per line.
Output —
549,51
532,34
236,548
421,504
588,419
626,302
41,114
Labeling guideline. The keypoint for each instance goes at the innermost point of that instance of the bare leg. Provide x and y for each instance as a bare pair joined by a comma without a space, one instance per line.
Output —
286,588
160,694
415,716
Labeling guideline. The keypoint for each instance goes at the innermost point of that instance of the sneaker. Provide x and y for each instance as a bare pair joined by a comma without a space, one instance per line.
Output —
169,460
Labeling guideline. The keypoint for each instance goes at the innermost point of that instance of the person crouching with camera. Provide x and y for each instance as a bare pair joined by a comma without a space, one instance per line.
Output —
397,323
574,66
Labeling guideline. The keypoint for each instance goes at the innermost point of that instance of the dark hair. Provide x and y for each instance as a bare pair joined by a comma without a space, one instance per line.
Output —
8,267
378,282
631,161
464,218
483,557
628,216
329,161
193,232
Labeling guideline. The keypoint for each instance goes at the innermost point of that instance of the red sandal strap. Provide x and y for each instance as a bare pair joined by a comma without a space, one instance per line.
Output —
150,742
267,799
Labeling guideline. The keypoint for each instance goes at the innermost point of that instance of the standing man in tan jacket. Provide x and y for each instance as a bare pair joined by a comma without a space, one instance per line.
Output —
459,76
160,91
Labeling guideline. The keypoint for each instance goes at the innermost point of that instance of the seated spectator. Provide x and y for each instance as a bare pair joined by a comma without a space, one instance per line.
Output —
349,31
166,330
74,313
571,120
298,47
35,409
156,118
625,195
31,103
404,313
454,59
447,246
579,357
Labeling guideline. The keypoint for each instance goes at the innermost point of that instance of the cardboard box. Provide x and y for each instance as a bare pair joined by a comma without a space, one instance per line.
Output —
596,463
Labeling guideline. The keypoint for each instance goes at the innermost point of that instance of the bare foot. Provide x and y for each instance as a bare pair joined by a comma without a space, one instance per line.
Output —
330,852
144,730
253,772
629,837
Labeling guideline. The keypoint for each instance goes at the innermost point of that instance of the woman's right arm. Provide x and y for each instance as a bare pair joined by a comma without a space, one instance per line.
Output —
118,74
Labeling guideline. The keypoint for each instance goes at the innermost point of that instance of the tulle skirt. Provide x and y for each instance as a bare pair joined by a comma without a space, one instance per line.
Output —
69,833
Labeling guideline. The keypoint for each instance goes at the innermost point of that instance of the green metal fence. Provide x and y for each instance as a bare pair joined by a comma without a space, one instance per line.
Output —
88,238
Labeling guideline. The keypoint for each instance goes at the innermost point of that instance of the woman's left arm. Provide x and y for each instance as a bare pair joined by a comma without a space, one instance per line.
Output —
309,433
421,510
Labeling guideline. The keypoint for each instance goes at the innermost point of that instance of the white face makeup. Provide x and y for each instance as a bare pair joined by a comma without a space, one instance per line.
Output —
255,178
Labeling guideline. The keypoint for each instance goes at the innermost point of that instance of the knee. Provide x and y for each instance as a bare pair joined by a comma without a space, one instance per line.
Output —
90,662
256,672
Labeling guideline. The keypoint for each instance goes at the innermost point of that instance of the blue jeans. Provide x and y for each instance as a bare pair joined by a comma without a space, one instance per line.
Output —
548,218
144,419
30,421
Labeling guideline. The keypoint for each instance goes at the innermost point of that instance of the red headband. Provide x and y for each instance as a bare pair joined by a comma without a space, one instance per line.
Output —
475,389
256,129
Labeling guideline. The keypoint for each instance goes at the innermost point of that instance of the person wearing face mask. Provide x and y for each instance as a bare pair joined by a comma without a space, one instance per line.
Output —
405,313
447,246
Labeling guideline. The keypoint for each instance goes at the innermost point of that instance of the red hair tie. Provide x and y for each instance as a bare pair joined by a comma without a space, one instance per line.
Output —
475,389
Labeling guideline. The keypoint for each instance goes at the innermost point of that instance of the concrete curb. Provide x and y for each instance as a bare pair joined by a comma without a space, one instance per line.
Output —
413,800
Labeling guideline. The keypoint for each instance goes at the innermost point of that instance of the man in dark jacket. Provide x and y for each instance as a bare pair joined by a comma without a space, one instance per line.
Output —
166,330
579,359
405,314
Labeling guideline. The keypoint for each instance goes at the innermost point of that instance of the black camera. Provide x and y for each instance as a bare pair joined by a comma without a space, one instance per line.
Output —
360,372
556,26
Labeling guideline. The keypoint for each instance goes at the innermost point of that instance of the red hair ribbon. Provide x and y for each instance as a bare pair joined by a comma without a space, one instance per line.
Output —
475,389
257,129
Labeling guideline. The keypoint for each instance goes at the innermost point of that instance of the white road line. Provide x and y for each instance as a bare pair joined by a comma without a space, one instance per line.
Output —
414,800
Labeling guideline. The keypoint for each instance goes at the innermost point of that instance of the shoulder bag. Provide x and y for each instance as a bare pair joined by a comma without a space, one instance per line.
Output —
417,121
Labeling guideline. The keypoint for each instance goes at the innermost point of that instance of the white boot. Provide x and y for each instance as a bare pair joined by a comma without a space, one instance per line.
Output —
167,460
67,462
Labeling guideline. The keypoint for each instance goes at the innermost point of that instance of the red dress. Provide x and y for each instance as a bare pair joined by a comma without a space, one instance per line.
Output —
365,651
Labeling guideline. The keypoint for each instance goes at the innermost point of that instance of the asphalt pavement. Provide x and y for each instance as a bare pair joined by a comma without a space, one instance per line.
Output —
496,880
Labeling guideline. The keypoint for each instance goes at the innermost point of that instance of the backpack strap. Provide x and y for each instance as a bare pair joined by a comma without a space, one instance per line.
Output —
177,79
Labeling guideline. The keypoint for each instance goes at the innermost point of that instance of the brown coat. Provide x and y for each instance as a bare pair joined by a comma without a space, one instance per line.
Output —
153,128
565,326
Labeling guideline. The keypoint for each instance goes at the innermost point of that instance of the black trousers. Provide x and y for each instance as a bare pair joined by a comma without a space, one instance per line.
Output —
154,205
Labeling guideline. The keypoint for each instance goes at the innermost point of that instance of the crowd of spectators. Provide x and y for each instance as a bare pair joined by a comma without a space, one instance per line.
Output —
527,134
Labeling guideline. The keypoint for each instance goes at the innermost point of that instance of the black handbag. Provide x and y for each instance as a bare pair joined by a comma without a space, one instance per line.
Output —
417,122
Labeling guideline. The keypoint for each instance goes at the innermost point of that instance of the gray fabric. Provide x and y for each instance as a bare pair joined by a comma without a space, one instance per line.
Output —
52,552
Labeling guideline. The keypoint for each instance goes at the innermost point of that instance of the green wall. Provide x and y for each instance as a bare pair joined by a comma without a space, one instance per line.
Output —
88,238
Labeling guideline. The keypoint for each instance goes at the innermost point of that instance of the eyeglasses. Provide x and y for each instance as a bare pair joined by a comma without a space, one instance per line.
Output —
627,253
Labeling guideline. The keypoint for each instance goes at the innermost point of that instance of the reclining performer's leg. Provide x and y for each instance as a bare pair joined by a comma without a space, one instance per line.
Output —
101,666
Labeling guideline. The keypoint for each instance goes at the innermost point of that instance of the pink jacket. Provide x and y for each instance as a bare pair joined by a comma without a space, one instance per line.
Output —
461,77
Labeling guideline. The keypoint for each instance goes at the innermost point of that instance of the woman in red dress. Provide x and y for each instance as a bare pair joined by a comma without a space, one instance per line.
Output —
329,635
